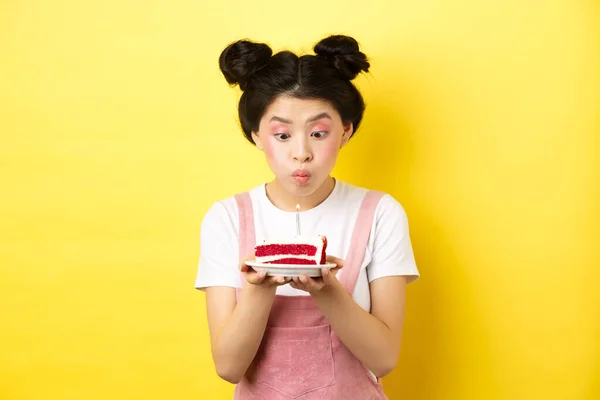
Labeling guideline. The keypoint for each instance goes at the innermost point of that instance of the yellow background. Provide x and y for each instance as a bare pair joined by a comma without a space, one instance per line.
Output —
118,132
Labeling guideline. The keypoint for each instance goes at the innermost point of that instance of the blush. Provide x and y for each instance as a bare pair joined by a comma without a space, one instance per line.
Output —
268,146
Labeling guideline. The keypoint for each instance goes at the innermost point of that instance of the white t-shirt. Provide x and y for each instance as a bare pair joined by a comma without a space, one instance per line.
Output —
388,253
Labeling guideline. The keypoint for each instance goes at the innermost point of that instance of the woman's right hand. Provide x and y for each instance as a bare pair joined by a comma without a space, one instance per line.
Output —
260,278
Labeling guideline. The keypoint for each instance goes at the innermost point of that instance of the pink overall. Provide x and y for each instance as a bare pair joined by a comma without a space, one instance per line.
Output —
300,357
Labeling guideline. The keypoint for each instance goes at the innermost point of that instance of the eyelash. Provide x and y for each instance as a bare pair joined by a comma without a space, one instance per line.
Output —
322,133
277,135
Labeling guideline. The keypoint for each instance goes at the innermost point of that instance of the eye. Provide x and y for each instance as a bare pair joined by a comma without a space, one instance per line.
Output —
318,134
282,136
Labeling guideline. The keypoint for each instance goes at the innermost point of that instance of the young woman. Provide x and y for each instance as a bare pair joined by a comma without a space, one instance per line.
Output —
331,337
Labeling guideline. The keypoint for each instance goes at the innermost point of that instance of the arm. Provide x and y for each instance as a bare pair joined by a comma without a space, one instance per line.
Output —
373,338
237,330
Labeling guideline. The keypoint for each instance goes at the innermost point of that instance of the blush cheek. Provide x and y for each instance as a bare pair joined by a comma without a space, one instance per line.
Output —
330,150
273,156
268,147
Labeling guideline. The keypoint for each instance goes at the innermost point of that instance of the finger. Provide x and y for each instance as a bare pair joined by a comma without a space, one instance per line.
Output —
329,272
260,276
328,276
298,286
251,277
338,261
296,282
308,282
286,280
245,268
274,280
280,280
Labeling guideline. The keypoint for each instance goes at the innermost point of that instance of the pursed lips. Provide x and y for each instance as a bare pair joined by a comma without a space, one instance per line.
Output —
301,173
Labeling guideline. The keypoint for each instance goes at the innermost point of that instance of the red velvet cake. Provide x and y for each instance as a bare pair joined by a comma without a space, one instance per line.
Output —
300,250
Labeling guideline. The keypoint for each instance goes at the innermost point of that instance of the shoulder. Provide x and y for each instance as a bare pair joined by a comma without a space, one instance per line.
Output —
220,212
346,189
387,206
390,208
348,196
225,212
390,242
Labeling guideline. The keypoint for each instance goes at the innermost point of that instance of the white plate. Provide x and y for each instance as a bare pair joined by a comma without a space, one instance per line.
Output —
292,270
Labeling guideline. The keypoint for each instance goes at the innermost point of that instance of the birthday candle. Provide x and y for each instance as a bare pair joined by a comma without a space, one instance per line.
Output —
297,220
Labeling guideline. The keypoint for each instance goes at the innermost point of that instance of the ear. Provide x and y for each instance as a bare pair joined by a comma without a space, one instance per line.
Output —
257,141
348,130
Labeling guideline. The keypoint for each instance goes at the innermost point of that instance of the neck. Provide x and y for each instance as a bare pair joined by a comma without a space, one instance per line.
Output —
287,201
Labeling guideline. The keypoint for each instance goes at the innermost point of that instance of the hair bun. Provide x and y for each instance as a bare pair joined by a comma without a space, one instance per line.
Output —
345,55
241,59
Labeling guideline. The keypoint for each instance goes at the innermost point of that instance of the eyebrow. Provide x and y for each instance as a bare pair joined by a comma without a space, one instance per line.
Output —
315,118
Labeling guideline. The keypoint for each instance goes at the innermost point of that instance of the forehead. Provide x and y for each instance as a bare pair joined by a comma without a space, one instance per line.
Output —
299,110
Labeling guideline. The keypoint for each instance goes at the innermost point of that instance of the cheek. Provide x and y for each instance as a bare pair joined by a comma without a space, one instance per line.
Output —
330,149
267,146
270,150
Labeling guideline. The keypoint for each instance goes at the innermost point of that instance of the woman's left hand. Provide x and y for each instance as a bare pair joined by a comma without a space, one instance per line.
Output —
313,285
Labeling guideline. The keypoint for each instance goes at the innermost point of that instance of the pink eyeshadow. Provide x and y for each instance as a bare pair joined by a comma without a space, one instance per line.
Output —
321,127
278,128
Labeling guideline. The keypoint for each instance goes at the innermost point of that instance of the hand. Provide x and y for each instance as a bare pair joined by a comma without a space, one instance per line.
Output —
327,279
260,278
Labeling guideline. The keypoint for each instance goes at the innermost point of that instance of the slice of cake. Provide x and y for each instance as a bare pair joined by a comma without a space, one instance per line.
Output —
299,250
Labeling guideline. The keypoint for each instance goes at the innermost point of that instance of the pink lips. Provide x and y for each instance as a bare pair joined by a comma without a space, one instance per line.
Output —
301,176
300,172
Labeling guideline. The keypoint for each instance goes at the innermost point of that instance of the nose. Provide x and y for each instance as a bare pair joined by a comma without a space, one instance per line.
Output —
302,150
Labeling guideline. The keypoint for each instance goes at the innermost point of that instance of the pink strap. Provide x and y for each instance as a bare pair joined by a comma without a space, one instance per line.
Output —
360,238
247,238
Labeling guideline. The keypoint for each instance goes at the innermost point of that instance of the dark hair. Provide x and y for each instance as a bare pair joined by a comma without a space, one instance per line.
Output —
263,77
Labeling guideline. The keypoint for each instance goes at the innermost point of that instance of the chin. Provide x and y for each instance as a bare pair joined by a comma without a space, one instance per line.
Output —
307,189
302,190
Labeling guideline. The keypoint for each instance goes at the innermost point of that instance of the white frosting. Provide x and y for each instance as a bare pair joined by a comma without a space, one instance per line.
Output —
266,259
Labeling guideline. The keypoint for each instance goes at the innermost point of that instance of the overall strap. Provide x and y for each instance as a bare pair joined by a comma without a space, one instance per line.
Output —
360,239
247,238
